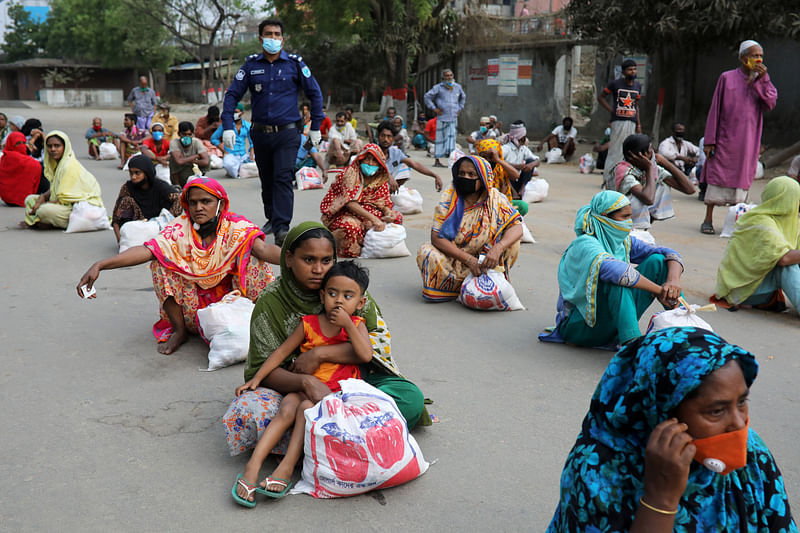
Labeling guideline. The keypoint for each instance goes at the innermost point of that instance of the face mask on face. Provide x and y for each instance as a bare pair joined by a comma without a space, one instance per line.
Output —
723,453
368,170
208,228
237,116
158,135
484,129
465,186
186,141
97,128
272,46
678,135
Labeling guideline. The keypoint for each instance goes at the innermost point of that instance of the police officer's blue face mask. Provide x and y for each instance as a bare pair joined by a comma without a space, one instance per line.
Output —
272,46
158,135
186,141
369,170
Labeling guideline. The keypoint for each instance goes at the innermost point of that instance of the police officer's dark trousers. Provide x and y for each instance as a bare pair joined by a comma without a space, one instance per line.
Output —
275,157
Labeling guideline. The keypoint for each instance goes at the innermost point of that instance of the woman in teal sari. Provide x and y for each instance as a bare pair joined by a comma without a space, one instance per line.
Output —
307,254
602,293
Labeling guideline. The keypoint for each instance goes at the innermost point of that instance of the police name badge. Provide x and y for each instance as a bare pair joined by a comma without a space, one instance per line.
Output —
257,72
306,72
257,87
240,75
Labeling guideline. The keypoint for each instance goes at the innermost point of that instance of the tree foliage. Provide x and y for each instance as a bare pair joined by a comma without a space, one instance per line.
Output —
24,35
646,26
111,33
390,32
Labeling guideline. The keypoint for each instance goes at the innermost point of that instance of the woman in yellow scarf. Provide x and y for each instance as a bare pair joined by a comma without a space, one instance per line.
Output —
69,183
503,172
763,256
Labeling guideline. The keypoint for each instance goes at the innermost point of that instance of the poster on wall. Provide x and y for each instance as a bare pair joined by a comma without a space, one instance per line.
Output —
477,73
508,75
525,72
493,72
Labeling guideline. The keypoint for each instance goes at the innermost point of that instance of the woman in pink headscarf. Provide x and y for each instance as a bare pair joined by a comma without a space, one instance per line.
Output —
204,254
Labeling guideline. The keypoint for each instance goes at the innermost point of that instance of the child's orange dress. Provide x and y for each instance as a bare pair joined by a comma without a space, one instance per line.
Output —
328,373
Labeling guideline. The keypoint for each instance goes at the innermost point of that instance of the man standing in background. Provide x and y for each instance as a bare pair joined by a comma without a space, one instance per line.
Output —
447,100
142,100
625,94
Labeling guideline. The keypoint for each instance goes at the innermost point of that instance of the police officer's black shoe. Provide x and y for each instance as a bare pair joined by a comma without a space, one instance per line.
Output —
267,228
280,236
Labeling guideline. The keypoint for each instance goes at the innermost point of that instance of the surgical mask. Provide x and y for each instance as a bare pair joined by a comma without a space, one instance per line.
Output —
237,116
484,129
97,128
272,46
723,453
369,170
608,131
678,136
186,141
207,228
158,135
465,186
449,83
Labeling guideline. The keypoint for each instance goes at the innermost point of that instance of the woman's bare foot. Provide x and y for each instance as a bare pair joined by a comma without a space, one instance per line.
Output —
37,225
250,476
173,343
24,225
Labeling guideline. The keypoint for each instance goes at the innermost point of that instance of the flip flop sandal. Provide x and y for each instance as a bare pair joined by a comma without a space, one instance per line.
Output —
707,228
275,481
250,490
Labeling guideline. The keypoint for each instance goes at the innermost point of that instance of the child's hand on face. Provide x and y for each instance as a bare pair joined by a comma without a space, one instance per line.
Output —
339,317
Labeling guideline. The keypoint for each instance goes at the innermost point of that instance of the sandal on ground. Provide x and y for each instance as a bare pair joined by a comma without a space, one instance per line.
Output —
286,484
439,165
249,488
707,228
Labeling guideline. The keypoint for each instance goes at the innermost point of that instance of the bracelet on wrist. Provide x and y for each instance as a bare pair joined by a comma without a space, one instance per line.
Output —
656,509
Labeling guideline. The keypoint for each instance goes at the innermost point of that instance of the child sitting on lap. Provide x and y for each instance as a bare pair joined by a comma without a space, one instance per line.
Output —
342,294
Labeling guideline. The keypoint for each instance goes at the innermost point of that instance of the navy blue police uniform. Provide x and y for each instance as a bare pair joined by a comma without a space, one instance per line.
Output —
274,89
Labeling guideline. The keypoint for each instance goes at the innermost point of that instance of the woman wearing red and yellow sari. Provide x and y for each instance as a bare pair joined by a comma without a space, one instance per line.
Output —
472,218
205,253
358,201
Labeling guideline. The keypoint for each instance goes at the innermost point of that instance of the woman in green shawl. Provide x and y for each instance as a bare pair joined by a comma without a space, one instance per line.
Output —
763,256
307,254
602,294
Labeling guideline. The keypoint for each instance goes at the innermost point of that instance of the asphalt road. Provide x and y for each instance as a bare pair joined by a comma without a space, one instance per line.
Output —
102,433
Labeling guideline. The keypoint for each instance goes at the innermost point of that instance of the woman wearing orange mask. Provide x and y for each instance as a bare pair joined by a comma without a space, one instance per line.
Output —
666,445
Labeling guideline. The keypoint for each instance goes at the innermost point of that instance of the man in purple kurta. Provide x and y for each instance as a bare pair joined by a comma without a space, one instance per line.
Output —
733,130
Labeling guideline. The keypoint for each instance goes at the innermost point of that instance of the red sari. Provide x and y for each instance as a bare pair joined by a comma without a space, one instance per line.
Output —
371,193
19,172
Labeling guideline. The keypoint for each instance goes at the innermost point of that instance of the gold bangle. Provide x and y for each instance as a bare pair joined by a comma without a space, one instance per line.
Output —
656,509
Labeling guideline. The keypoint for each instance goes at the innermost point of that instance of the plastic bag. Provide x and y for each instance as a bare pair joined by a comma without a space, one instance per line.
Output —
734,212
162,173
644,236
759,170
490,291
308,178
125,166
356,441
107,150
536,190
214,162
526,234
248,170
138,232
680,318
408,201
226,326
586,164
554,156
391,242
455,155
87,217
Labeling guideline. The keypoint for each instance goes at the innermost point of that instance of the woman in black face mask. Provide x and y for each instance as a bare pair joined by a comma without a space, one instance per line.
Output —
473,218
202,255
143,196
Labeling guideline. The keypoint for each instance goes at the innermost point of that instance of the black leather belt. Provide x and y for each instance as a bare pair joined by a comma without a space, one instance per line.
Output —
271,128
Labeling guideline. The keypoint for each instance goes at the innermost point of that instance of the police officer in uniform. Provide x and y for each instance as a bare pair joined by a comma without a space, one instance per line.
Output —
274,79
